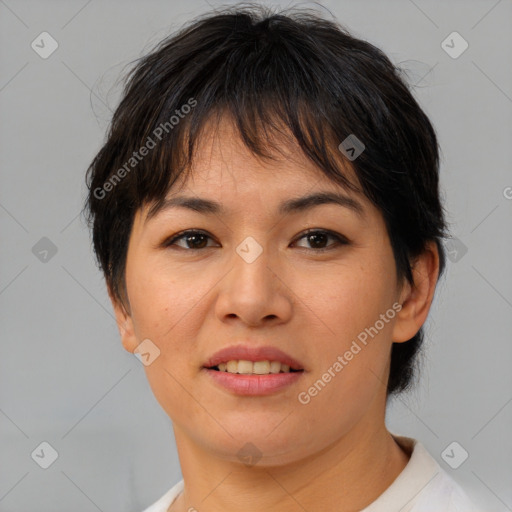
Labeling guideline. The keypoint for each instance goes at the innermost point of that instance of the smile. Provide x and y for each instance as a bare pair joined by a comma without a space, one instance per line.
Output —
245,367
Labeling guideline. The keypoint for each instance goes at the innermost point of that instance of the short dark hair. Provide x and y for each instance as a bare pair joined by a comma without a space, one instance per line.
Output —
267,70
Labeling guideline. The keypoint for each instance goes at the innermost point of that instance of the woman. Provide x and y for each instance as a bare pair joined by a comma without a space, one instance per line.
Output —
266,213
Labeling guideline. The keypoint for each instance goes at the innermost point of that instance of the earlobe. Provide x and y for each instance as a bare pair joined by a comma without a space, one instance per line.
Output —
417,298
124,323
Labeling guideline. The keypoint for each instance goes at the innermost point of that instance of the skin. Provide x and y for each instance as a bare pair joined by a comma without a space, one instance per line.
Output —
333,453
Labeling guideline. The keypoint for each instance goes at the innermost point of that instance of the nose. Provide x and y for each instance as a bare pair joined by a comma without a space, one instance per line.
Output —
255,292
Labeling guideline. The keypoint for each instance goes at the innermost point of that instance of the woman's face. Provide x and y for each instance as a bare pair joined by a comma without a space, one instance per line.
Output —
255,279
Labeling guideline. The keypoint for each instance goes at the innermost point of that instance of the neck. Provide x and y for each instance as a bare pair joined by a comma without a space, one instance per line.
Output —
345,476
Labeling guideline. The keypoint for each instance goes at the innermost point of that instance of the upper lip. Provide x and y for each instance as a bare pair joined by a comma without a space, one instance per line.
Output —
252,353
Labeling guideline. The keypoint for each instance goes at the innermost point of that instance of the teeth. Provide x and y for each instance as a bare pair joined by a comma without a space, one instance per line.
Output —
232,366
257,368
275,367
260,367
245,366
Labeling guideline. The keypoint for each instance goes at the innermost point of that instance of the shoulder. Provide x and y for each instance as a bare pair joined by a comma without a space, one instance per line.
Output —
165,501
422,486
443,493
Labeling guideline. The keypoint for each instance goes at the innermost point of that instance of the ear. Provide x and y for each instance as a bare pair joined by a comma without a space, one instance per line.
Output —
124,323
416,298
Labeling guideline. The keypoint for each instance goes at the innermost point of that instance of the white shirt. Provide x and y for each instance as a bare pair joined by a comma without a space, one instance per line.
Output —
422,486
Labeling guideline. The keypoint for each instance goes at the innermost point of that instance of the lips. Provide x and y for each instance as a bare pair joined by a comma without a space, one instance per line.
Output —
251,353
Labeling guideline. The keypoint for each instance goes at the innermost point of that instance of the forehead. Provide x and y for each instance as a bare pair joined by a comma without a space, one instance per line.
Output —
222,159
226,177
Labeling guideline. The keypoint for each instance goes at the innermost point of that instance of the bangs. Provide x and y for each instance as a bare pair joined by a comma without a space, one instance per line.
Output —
274,95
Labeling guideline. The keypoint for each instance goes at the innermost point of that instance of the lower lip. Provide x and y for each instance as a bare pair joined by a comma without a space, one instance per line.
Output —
260,385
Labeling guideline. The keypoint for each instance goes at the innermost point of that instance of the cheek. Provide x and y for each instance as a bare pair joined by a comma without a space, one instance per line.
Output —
350,304
163,309
161,300
350,361
347,299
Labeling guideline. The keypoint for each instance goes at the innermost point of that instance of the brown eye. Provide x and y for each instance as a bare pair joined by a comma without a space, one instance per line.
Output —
319,238
197,240
192,239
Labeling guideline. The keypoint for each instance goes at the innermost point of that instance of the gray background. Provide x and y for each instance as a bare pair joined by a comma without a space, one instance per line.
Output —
64,376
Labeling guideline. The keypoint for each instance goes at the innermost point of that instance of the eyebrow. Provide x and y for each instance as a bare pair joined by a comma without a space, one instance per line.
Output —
299,204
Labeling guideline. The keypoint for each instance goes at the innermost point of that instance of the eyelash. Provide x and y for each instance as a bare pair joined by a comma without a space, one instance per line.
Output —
340,239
